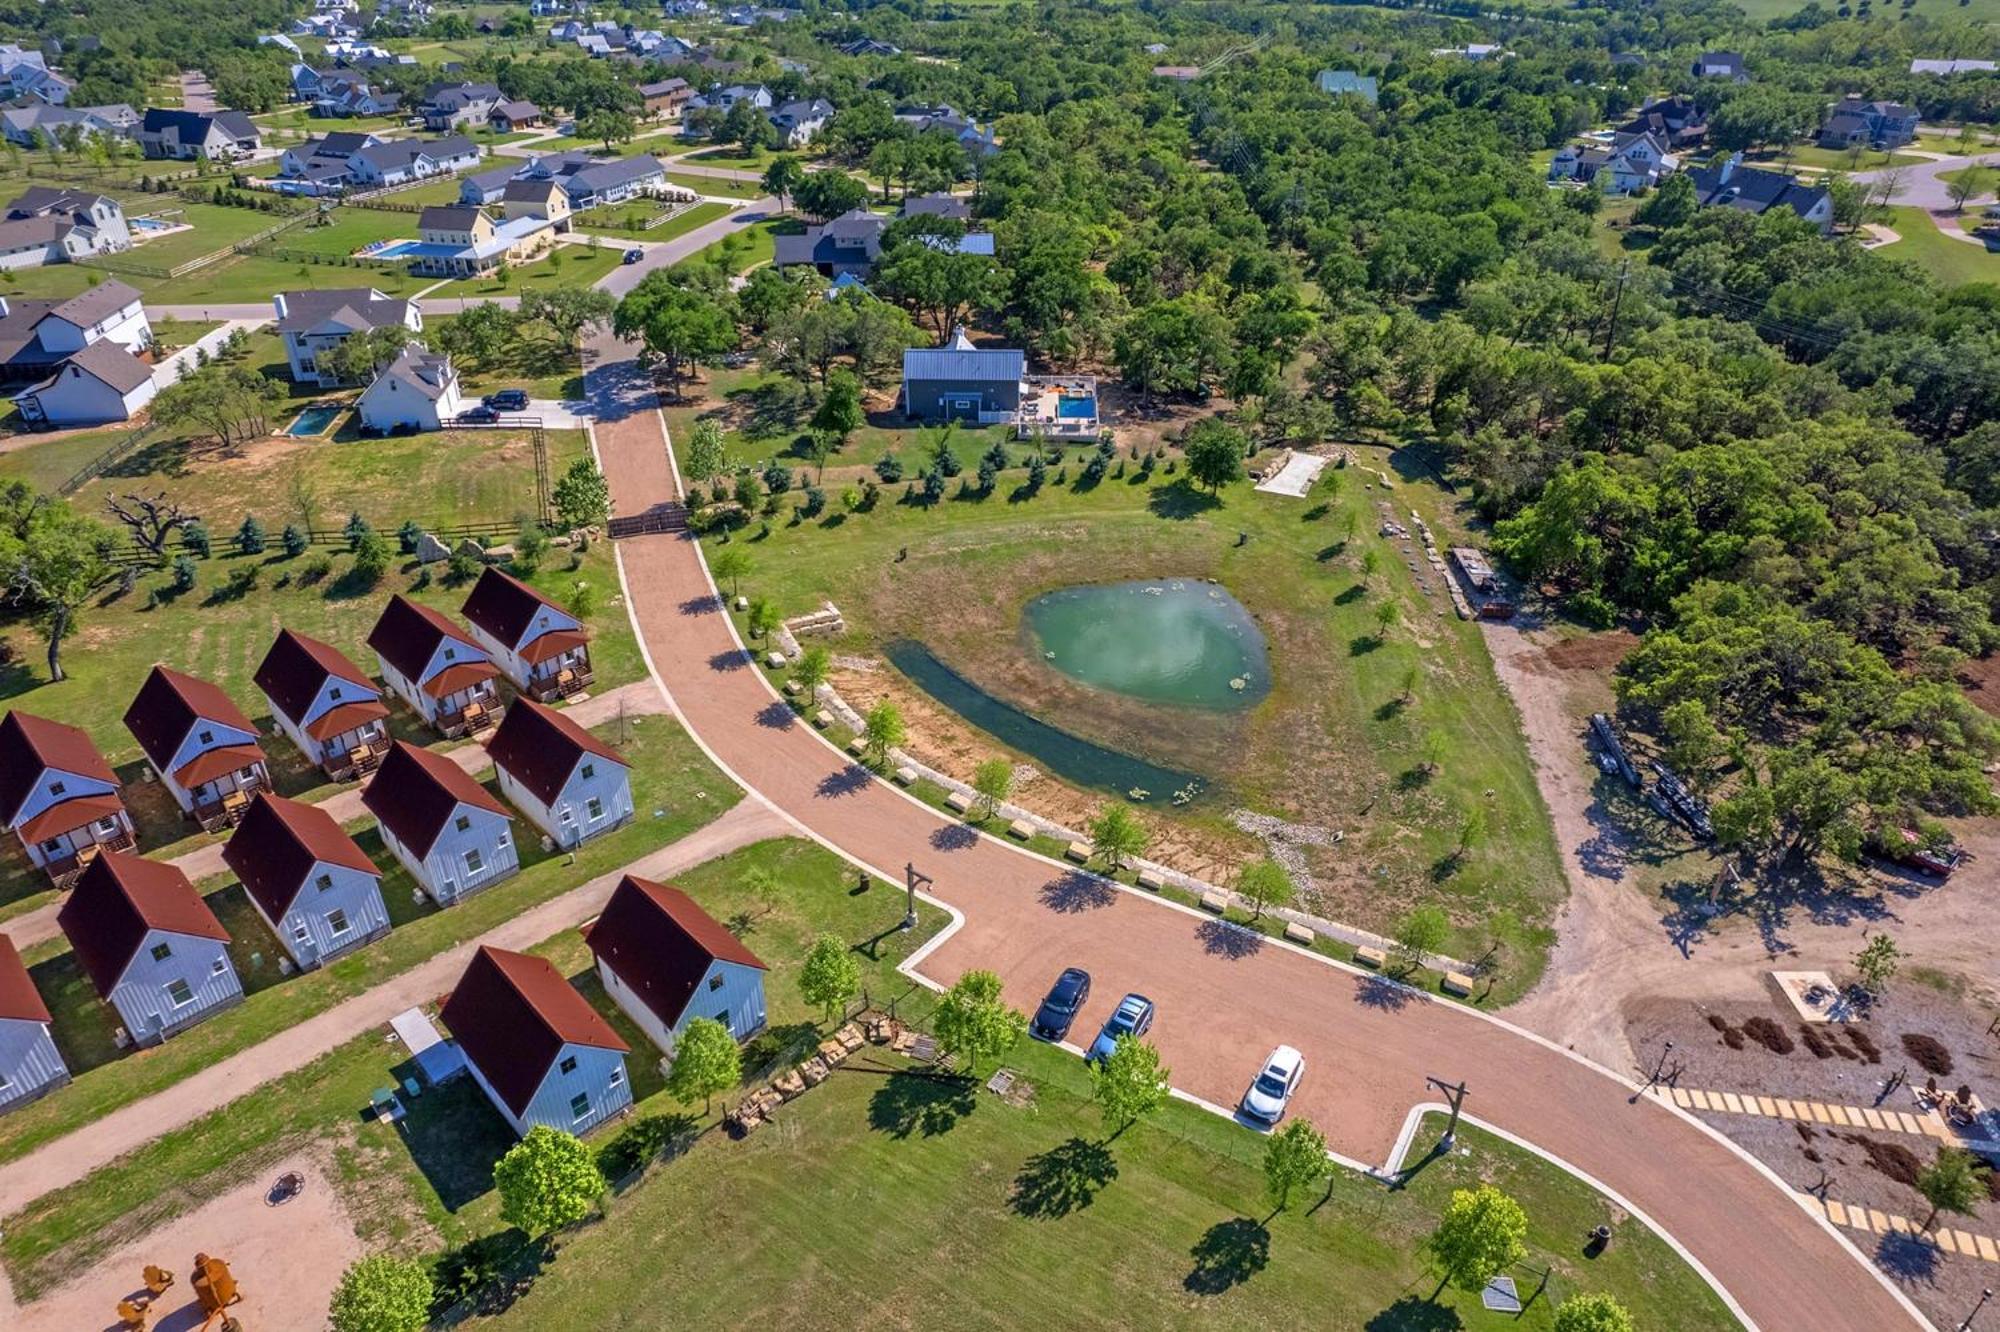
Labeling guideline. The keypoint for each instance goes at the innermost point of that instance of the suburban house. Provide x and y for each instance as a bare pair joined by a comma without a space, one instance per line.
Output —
416,391
961,382
613,182
1629,162
450,833
850,244
666,961
400,161
569,783
540,646
1720,65
1348,83
25,74
38,335
459,240
1949,67
1730,184
543,199
1675,121
150,945
201,745
944,119
440,670
447,106
868,46
1178,73
219,136
951,207
58,795
725,99
326,704
799,122
343,94
100,384
511,117
313,323
319,892
664,100
541,1053
1880,125
324,165
30,1064
38,124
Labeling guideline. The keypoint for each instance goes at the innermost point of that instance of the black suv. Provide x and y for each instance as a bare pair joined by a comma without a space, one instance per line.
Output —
1066,996
508,400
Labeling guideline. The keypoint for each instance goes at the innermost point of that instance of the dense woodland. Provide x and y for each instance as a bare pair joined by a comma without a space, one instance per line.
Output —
1774,454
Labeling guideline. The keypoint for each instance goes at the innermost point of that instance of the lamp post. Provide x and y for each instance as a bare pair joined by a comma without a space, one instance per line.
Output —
1984,1296
911,878
1455,1093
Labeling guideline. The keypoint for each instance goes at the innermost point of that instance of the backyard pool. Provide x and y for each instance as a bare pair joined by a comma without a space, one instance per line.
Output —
1073,408
315,420
1177,641
406,249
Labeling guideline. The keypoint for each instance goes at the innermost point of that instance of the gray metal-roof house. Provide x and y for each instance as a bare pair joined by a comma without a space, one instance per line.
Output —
1755,190
961,382
850,244
1348,83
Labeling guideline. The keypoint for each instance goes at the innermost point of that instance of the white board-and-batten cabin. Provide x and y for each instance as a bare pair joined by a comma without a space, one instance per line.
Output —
315,888
536,1047
540,646
200,743
150,945
568,782
438,668
325,704
58,795
665,961
30,1064
451,834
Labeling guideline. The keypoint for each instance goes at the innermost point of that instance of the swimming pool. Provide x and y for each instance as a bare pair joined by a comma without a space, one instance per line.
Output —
150,224
402,249
314,420
1073,408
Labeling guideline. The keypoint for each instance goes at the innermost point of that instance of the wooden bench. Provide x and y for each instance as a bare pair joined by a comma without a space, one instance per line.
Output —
1371,957
775,660
1298,933
822,719
857,746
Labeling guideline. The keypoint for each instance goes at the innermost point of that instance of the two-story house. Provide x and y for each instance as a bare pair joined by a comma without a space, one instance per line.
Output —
1629,162
58,795
312,324
460,240
450,106
1730,184
150,945
665,961
201,745
663,100
1880,125
448,831
540,646
419,390
543,199
847,246
36,336
799,122
1720,65
98,385
536,1047
569,783
319,892
400,161
219,136
325,704
30,1064
439,669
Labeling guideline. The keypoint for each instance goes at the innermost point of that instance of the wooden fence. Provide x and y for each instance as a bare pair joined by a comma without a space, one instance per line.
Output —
125,444
118,263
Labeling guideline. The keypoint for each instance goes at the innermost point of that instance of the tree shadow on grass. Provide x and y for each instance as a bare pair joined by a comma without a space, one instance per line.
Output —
1413,779
1180,500
953,837
1074,892
1329,553
1352,594
1219,938
850,780
455,1138
1228,1254
1908,1258
920,1105
1066,1178
1362,644
1411,1314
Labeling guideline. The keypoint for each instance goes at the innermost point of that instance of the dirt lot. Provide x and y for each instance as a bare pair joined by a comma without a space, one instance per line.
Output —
286,1259
1851,1166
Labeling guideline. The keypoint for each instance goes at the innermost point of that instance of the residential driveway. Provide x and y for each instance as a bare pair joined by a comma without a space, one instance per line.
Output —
170,370
1921,186
1226,997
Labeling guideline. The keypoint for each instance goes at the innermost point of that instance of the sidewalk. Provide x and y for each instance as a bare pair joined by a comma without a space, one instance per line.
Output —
169,371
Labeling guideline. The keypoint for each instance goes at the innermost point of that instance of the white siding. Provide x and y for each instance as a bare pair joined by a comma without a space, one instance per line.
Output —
192,745
635,1008
568,820
292,731
73,785
29,1062
507,656
593,1078
406,689
76,398
444,873
356,895
140,996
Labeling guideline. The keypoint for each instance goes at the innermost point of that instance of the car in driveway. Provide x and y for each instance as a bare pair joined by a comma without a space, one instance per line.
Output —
480,414
508,400
1052,1020
633,256
1133,1017
1271,1091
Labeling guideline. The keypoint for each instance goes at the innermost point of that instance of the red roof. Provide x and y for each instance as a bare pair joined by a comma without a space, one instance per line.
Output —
464,675
506,607
415,791
206,767
169,704
18,996
346,717
278,843
64,815
117,901
512,1014
297,666
31,744
553,643
661,944
539,748
408,633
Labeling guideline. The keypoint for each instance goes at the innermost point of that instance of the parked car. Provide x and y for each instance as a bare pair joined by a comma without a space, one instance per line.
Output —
1065,997
634,256
478,415
508,400
1134,1017
1271,1092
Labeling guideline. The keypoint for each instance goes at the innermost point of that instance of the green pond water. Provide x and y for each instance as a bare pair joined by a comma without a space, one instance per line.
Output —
1176,641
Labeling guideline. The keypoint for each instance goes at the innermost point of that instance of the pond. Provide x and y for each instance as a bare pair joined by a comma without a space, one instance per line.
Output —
1178,641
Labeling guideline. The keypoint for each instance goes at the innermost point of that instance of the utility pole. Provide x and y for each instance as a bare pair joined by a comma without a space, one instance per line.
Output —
911,878
1617,299
1455,1093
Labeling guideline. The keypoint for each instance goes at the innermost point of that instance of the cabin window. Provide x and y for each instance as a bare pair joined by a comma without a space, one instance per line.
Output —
589,771
107,825
161,952
617,1078
206,737
301,932
579,1105
451,654
715,981
221,966
568,1066
473,863
52,846
323,882
333,694
179,993
463,823
336,920
56,788
596,808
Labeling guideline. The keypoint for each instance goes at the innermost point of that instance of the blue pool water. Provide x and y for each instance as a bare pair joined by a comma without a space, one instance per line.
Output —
314,420
410,249
150,224
1075,408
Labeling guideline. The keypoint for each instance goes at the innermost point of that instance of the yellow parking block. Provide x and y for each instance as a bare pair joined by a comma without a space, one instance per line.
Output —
1878,1221
1681,1097
1987,1249
1836,1212
1783,1109
1767,1107
1699,1097
1819,1114
1872,1119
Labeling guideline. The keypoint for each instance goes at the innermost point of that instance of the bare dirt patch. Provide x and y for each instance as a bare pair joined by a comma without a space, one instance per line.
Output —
1591,652
1981,679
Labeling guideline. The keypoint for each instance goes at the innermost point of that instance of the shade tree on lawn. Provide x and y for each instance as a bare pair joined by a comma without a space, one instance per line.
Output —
882,730
824,195
1294,1158
1116,836
993,782
1129,1084
830,975
703,456
782,177
567,311
1591,1313
1214,453
923,269
972,1020
1481,1234
675,321
547,1180
54,563
707,1060
582,496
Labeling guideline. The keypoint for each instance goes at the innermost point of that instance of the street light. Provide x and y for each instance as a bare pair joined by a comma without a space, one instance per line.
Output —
911,878
1984,1296
1455,1093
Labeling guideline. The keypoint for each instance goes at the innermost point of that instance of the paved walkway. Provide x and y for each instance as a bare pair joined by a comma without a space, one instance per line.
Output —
1876,1222
640,698
69,1159
169,371
1226,996
1810,1112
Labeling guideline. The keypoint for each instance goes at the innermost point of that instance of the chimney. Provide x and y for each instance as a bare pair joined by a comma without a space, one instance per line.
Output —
278,303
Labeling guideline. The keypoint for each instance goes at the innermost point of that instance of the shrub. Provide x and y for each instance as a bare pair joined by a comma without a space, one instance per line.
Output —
463,566
357,528
777,479
1865,1044
371,558
815,502
315,570
250,536
293,541
408,535
195,540
890,468
184,574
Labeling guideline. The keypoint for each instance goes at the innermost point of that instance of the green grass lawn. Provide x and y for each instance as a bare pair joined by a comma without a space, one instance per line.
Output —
1951,262
534,361
171,335
670,776
580,266
214,228
1809,154
46,461
730,155
735,189
626,220
1338,742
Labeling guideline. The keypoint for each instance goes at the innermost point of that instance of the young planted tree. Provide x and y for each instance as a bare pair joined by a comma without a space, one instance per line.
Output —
882,730
1481,1235
1435,746
704,456
1116,836
763,617
1592,1313
1386,616
839,412
813,667
382,1293
1128,1084
1419,934
1951,1183
993,781
1876,963
730,565
1214,453
547,1180
1294,1158
830,975
1265,884
706,1061
1966,185
973,1021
